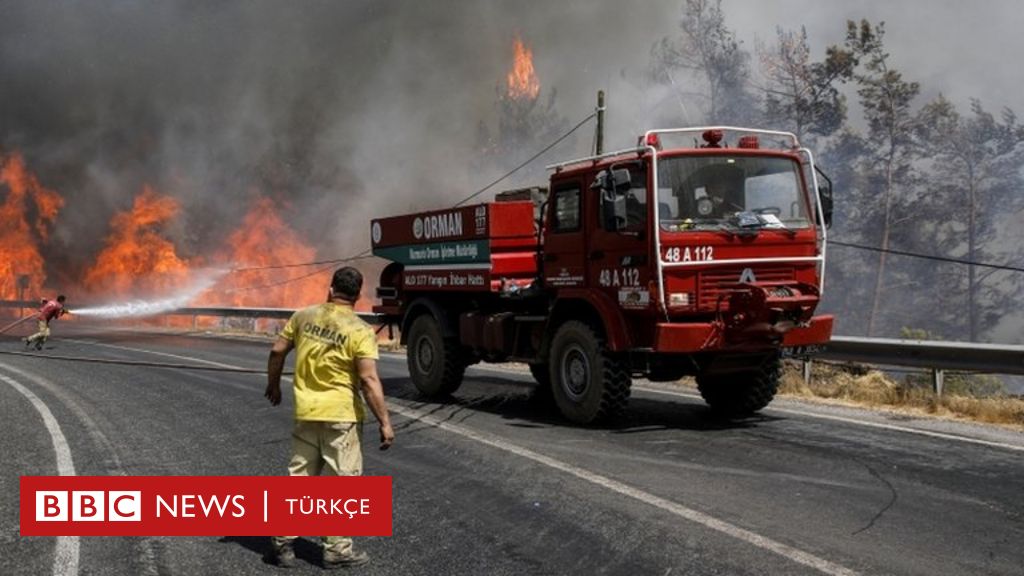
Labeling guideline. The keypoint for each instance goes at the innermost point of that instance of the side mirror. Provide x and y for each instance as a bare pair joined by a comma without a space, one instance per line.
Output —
618,181
621,180
613,185
826,204
825,193
613,210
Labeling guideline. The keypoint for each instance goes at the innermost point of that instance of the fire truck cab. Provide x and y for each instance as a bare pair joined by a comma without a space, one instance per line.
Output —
705,258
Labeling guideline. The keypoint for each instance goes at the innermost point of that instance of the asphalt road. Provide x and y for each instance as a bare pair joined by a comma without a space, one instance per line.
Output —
495,482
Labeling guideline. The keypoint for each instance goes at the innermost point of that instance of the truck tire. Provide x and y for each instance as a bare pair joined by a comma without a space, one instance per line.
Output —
436,364
589,383
740,394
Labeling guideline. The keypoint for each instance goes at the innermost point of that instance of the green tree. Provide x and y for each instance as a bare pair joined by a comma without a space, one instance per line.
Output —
974,166
799,94
707,51
886,99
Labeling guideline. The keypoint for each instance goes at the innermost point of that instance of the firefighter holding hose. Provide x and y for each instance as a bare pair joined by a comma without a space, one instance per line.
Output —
50,310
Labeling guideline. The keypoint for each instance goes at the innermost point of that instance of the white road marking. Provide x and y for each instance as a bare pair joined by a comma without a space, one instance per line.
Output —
770,410
145,547
753,538
154,352
865,423
65,560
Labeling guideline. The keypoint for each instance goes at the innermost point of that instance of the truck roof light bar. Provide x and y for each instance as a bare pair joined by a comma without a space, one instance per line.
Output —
561,165
705,131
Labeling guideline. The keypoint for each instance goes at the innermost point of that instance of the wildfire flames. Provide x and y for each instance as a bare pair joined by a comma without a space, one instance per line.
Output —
137,257
21,264
522,80
265,243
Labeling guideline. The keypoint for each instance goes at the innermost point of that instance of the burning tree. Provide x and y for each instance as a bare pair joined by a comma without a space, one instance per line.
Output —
137,258
27,214
525,123
264,249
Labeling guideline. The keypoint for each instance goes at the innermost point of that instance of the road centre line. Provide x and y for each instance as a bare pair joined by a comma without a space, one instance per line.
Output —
763,542
65,559
753,538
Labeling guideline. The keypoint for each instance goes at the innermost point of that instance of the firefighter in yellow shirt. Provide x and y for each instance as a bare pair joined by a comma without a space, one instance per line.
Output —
336,359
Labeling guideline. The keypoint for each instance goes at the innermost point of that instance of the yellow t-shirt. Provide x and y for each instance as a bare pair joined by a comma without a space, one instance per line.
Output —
328,339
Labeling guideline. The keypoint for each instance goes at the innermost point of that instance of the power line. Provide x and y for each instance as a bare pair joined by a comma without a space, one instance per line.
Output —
927,256
367,253
362,255
316,272
530,159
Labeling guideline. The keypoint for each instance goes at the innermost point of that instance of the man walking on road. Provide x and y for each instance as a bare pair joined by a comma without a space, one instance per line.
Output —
50,310
336,359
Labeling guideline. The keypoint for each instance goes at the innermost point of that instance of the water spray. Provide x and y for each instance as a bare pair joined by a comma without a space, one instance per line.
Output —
141,308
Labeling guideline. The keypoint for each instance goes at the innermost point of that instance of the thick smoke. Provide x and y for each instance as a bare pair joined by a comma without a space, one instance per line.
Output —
340,111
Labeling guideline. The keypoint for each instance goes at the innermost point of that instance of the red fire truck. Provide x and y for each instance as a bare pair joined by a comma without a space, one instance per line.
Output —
705,257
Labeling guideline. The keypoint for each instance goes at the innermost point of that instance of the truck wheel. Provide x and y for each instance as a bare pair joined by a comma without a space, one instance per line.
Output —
739,394
436,364
589,383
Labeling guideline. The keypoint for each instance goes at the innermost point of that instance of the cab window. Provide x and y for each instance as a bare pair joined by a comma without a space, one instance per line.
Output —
566,207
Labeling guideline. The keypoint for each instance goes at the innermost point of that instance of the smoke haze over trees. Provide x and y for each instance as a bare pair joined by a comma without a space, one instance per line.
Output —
342,111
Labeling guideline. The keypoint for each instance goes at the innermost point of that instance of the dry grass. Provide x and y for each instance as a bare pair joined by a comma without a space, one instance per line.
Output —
859,386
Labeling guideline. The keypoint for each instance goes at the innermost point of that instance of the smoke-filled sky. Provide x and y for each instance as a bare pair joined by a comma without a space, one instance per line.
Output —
343,110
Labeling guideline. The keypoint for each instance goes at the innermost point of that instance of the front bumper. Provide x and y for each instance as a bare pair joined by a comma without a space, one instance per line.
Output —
678,338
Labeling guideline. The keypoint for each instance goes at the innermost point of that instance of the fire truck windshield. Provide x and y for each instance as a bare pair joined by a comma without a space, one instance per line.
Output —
709,192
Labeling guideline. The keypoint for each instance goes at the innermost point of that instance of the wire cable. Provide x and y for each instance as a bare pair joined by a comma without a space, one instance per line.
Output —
529,160
362,255
367,253
282,282
141,363
926,256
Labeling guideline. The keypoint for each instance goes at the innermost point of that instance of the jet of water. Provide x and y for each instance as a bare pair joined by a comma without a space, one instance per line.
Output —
203,281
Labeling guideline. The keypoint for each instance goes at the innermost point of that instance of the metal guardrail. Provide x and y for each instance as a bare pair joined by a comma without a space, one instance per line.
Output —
969,356
273,313
937,356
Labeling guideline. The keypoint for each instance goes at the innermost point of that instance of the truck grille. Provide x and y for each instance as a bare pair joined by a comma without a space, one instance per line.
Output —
719,283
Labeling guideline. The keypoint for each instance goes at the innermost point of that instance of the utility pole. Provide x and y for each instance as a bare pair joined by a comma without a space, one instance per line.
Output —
599,147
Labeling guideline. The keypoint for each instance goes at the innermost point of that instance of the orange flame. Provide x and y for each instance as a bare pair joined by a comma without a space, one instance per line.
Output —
137,258
266,244
522,80
19,251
